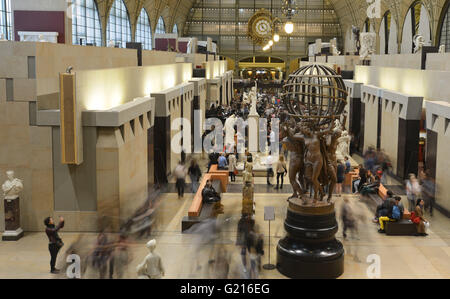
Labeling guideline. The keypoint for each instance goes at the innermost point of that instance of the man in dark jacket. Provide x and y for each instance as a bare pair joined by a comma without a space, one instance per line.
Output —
55,242
209,194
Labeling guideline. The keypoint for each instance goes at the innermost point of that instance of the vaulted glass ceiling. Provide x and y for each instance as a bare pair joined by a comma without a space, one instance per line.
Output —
225,21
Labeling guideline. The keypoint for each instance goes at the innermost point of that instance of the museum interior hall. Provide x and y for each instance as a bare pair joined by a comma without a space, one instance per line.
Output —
225,139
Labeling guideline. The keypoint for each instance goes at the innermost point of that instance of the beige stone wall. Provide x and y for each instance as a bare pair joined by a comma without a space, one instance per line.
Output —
431,85
389,131
442,164
52,59
407,61
122,176
109,141
28,151
371,121
213,95
133,172
438,62
175,112
158,57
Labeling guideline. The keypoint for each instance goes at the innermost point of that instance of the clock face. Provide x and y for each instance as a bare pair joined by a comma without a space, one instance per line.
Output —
260,27
263,27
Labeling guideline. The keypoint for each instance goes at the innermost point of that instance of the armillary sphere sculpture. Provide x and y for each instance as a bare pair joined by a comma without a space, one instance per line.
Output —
315,97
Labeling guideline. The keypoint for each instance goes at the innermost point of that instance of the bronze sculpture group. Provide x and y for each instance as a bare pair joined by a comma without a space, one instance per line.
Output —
313,157
315,97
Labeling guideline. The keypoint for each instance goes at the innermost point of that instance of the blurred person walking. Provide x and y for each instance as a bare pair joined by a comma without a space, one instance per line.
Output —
180,175
101,255
340,175
428,191
194,173
348,219
120,258
413,191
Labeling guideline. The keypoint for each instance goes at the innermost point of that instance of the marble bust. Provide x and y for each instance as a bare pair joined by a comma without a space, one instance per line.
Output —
419,42
368,44
12,186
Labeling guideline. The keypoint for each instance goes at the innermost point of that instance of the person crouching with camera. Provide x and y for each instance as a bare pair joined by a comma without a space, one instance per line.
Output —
55,242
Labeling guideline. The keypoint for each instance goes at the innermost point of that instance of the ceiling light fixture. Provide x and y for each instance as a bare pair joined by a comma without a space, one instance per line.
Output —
289,27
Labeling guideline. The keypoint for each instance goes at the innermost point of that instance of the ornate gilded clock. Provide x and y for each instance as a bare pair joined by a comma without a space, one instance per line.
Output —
261,27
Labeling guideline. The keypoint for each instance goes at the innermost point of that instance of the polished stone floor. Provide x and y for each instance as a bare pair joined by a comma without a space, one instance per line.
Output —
187,255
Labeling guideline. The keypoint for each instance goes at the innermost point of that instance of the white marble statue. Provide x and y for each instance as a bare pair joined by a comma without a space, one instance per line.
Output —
368,44
442,49
343,148
12,186
111,44
253,99
335,51
229,130
2,37
151,267
245,98
419,41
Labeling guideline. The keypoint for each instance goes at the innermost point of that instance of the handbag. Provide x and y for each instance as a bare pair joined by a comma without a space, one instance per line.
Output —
235,172
414,218
59,243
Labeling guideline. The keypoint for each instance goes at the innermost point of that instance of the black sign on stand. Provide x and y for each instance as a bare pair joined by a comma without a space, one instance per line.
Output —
269,215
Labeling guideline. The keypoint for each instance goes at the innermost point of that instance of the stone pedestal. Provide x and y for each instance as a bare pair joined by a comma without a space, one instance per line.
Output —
13,231
253,133
310,249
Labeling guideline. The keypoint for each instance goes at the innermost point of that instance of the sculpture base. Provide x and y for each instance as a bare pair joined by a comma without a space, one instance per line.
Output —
310,249
12,235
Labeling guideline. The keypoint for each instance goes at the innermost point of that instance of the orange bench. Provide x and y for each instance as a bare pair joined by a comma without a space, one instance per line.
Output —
197,202
221,175
382,192
197,210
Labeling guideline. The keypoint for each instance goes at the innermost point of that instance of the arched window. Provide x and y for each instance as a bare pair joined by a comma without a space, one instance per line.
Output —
384,33
86,26
175,29
417,22
160,27
143,31
444,38
366,25
5,19
118,29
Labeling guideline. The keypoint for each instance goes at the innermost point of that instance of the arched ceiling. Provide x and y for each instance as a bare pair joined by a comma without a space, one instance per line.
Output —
350,12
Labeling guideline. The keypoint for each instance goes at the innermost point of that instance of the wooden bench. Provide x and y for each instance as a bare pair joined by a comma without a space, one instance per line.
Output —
350,177
221,175
199,211
400,228
382,192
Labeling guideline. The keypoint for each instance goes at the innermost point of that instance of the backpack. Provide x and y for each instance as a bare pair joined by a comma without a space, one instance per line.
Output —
396,214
